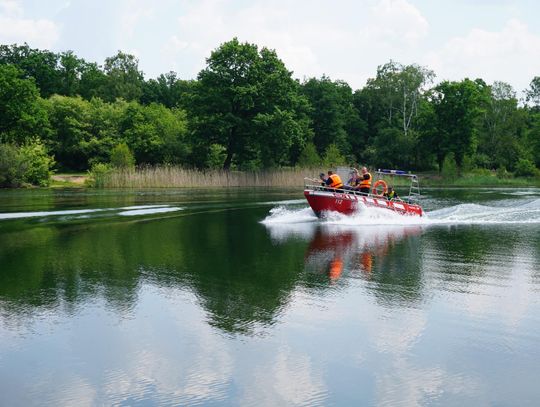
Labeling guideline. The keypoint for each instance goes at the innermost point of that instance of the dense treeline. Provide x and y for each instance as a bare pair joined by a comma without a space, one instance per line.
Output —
245,111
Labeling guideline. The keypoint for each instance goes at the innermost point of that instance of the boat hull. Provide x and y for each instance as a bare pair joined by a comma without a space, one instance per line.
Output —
322,201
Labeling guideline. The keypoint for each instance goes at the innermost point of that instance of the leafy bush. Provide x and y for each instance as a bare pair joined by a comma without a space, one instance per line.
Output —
332,156
98,175
309,157
122,157
27,164
38,165
449,169
502,172
11,166
481,172
525,168
216,156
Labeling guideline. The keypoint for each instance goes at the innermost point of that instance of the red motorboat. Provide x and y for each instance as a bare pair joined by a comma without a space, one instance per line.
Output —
323,199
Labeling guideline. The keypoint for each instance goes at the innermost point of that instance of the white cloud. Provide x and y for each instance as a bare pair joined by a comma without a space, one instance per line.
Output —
15,28
293,378
311,42
511,55
134,14
395,22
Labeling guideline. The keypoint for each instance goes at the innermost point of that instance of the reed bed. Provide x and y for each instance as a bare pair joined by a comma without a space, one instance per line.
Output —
177,177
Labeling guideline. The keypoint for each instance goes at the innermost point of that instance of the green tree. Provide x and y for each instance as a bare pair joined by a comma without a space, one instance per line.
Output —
154,133
124,80
331,107
93,82
21,112
500,138
167,89
456,108
70,71
532,94
245,100
400,88
35,63
71,135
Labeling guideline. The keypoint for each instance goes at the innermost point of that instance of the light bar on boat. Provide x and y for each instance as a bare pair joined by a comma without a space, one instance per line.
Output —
395,172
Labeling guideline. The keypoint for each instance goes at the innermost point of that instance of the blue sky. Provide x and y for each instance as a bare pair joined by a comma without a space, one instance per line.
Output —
344,39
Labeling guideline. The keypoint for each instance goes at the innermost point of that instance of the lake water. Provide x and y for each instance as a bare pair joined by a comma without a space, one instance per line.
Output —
243,297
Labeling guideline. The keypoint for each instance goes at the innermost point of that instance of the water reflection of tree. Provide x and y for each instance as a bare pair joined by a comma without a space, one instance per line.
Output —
242,273
240,277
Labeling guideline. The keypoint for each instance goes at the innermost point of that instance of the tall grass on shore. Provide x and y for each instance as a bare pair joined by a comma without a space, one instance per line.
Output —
103,176
177,177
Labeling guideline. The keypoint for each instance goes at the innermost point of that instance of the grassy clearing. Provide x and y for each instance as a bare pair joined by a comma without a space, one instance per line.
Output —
68,180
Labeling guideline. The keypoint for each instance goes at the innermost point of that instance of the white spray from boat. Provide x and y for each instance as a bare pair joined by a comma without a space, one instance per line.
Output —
465,214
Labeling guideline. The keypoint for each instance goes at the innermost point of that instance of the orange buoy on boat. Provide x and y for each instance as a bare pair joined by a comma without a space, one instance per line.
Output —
376,186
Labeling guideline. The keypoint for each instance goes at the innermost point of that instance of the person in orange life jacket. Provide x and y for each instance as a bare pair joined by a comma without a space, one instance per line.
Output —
391,194
365,181
333,180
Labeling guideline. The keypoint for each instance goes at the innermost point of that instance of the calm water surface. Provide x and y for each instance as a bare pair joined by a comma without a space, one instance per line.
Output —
243,297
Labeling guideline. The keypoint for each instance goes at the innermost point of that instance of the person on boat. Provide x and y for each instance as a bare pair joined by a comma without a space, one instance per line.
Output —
354,182
365,181
322,177
391,194
333,180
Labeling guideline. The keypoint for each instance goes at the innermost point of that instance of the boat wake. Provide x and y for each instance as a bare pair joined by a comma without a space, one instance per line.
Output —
137,210
467,214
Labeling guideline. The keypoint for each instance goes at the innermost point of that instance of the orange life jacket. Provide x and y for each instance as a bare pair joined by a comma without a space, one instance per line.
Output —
336,181
366,183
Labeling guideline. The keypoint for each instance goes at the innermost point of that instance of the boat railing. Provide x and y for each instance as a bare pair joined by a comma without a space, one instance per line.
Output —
414,190
309,184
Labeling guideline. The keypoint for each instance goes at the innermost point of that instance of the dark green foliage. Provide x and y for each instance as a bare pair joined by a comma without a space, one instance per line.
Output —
154,133
21,113
124,80
167,89
70,118
245,111
35,63
12,166
93,82
456,108
246,101
331,108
